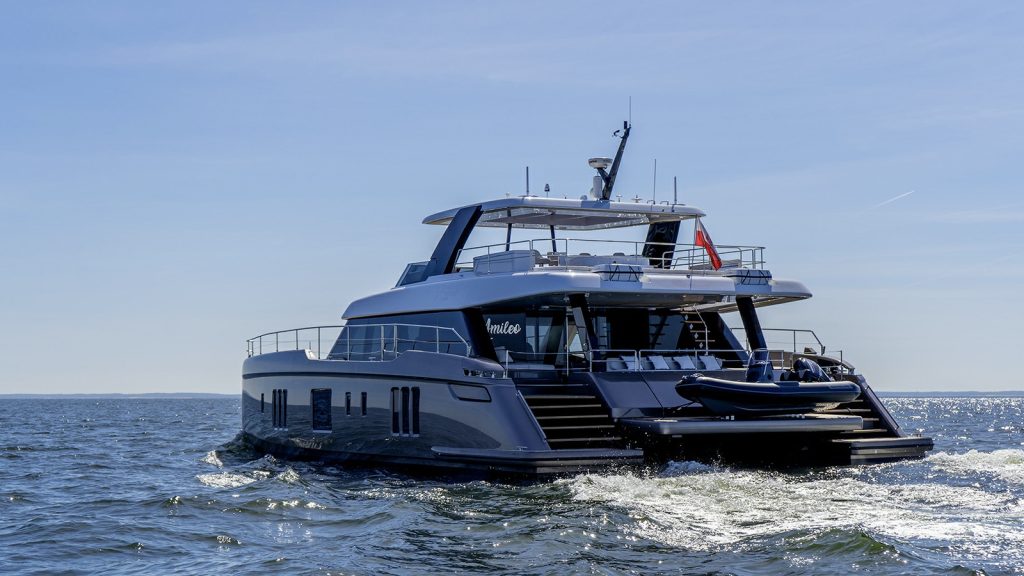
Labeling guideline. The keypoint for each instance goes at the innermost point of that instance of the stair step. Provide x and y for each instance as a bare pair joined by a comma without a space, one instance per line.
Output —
569,406
554,397
865,432
596,440
573,417
586,427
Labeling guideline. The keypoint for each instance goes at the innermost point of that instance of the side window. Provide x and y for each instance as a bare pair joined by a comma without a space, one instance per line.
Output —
320,404
405,411
279,408
387,336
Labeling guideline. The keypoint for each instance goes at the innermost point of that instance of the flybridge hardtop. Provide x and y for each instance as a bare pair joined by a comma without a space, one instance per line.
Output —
557,354
568,214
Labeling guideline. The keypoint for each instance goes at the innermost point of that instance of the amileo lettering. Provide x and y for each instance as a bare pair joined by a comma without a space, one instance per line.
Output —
505,328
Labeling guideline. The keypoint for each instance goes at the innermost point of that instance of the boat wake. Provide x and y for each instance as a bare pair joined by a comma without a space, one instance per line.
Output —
906,509
1007,464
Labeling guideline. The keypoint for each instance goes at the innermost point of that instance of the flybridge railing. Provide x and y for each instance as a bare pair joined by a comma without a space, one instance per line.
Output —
361,342
784,343
587,252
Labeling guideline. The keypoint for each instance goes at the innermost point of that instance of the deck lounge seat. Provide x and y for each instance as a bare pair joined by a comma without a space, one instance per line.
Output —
710,363
616,365
685,362
659,363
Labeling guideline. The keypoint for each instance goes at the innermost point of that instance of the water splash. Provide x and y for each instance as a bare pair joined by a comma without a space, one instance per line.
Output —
1007,464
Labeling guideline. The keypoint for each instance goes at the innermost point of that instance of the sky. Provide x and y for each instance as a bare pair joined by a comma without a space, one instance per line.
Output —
176,177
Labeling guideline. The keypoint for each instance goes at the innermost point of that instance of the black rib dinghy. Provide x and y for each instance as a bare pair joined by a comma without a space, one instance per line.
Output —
760,396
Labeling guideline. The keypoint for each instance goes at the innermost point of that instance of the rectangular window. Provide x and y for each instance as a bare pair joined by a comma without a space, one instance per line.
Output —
320,404
416,411
405,410
280,408
363,404
396,399
348,403
378,338
275,407
263,404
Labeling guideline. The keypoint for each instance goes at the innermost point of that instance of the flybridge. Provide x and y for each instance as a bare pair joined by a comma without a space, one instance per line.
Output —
595,211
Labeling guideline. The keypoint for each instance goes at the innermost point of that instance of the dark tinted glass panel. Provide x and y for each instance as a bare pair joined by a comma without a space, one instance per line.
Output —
361,340
320,403
640,329
405,410
416,410
396,401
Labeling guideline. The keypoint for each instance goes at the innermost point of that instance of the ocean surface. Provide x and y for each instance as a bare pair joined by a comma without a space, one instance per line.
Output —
159,486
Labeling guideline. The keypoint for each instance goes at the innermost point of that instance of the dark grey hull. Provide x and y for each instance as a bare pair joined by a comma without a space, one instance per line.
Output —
448,413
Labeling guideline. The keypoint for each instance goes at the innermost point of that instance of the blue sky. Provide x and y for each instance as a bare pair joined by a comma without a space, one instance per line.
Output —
177,177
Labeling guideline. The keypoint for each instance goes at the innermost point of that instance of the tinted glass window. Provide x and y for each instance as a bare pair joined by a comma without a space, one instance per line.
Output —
320,403
366,339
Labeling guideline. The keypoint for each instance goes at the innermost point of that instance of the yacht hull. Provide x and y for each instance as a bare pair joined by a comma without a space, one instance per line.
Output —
452,414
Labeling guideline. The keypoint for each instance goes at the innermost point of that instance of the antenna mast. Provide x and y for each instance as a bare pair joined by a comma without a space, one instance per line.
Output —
654,183
609,177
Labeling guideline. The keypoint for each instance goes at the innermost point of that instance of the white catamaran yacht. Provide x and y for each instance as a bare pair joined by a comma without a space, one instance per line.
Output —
556,354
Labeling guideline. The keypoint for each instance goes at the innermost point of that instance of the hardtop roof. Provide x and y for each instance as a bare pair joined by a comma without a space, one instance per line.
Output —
570,214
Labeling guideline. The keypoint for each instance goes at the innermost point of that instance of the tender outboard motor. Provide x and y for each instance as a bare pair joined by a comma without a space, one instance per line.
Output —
808,370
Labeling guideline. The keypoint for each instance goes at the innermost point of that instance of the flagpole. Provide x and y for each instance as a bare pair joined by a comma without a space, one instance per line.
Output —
696,223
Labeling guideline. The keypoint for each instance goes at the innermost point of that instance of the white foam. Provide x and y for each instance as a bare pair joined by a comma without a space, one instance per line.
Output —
1007,464
212,459
225,479
711,507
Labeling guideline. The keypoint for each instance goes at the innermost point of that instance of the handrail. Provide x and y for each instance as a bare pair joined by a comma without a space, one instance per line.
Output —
255,345
676,256
796,331
609,355
796,345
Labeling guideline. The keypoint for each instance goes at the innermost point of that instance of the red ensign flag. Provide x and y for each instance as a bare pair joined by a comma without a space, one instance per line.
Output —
703,239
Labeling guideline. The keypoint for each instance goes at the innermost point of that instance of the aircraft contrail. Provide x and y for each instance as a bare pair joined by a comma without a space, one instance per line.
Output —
891,200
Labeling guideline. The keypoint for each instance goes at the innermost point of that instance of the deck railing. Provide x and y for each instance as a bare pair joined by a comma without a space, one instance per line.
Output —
784,343
576,251
617,360
361,342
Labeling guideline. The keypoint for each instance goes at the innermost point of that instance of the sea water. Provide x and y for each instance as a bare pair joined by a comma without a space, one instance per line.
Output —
159,486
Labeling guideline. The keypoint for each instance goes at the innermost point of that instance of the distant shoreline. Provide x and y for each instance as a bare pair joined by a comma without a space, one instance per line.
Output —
120,396
209,395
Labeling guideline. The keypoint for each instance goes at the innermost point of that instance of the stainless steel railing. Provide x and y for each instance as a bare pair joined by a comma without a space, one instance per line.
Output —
576,251
784,343
361,342
622,360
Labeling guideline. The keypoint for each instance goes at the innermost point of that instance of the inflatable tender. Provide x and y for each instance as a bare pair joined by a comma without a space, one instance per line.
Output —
804,389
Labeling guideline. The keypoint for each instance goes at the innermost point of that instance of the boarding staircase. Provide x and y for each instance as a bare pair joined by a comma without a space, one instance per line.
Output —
571,416
880,439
